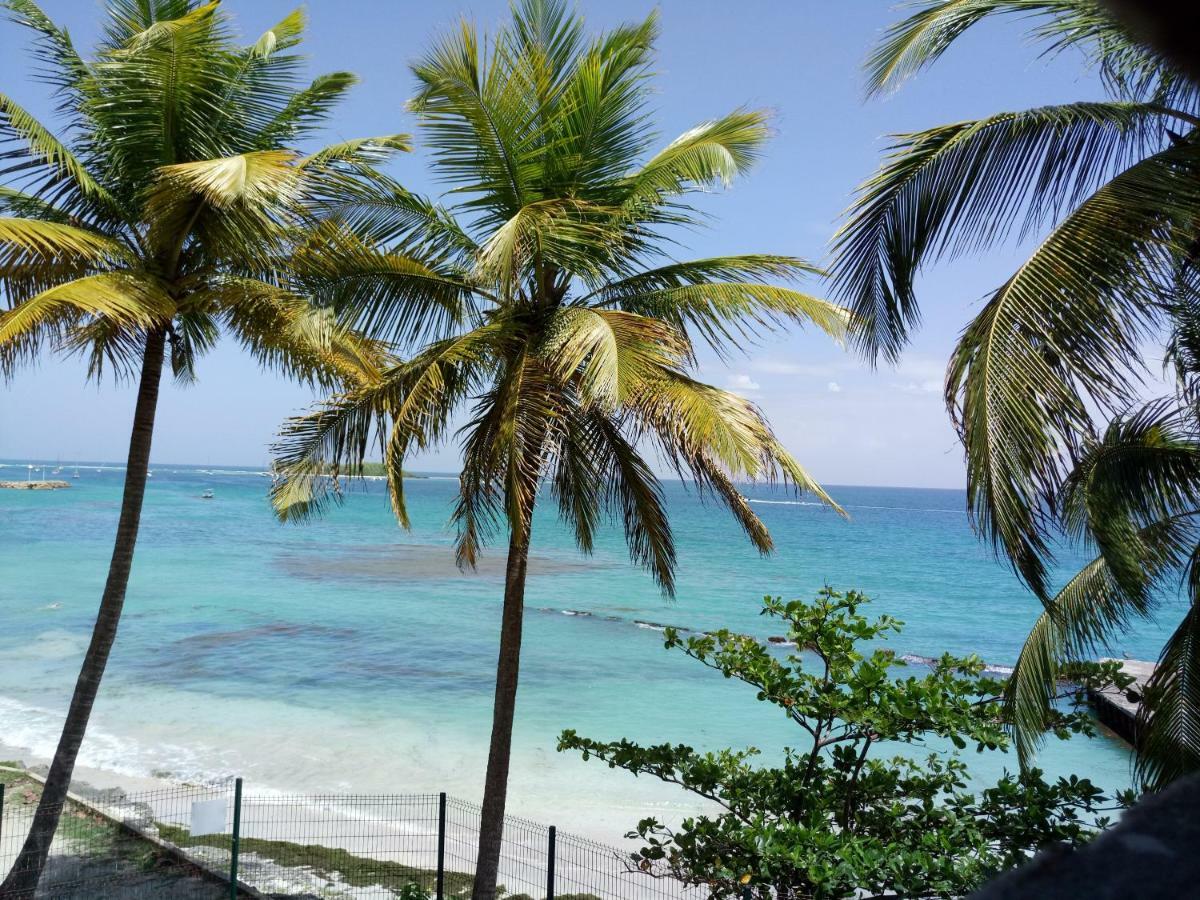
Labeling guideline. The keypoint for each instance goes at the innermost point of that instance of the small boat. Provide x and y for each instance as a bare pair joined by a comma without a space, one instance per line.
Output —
76,475
207,495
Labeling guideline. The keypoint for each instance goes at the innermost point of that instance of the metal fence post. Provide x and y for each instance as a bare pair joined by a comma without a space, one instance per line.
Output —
1,814
550,864
233,845
441,870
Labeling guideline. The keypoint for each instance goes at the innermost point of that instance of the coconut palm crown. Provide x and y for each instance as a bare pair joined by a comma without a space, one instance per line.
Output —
163,211
579,330
1046,383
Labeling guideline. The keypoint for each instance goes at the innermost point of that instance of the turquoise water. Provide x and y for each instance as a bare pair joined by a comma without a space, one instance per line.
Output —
350,655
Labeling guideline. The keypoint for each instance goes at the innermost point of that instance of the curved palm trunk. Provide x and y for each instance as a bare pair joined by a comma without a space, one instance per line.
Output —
495,786
27,871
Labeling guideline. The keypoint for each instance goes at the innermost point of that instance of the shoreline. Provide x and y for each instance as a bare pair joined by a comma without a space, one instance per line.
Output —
544,787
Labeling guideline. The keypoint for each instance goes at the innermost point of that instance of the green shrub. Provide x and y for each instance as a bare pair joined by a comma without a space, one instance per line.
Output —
831,820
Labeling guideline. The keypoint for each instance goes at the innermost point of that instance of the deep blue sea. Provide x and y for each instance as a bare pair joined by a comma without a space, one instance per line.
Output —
348,655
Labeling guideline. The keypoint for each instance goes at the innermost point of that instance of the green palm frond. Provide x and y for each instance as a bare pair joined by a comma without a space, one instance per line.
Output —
166,30
285,332
729,315
386,214
962,187
1021,371
40,156
709,155
1091,609
63,67
1144,469
396,297
314,449
358,151
1169,716
307,109
283,35
918,41
632,486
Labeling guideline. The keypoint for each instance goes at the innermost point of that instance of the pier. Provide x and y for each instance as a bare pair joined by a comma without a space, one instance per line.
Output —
1117,709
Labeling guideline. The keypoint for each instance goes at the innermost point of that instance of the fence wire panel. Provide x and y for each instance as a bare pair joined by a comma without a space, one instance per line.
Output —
104,847
524,857
584,868
181,842
339,846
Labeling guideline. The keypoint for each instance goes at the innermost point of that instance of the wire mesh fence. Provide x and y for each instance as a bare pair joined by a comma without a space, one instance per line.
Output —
217,841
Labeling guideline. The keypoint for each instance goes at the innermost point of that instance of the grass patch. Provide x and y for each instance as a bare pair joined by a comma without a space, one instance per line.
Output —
81,830
328,862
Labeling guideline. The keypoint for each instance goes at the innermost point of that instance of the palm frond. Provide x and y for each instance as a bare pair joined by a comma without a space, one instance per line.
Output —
961,187
918,41
709,155
41,156
1020,373
1089,610
312,450
63,67
306,109
23,240
1144,469
288,333
359,151
608,355
1169,715
133,301
391,296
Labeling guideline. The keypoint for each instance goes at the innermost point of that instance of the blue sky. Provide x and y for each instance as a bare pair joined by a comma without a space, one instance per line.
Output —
802,59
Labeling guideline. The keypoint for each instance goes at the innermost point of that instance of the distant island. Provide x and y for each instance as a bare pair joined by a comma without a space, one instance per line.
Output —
34,485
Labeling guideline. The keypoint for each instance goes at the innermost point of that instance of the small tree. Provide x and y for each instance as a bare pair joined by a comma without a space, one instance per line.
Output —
830,820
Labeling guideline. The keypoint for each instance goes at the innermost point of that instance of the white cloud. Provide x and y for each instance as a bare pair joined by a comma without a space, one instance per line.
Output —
928,386
742,382
834,387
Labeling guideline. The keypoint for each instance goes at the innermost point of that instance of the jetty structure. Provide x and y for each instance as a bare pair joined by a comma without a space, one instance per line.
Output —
34,485
1117,709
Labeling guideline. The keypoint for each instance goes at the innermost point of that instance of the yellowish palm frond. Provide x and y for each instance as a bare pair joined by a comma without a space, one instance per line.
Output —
607,353
701,427
287,331
362,151
566,232
286,33
25,241
135,301
164,30
260,178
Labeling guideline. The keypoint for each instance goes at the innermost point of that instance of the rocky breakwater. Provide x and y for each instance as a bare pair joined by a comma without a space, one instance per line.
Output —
34,485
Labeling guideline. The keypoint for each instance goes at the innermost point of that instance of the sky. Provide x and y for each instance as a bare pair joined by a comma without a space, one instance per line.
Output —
846,422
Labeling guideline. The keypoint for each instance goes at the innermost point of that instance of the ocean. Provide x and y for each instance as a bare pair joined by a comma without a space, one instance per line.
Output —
349,655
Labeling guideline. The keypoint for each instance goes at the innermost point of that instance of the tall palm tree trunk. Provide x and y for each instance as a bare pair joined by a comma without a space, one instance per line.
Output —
22,880
495,785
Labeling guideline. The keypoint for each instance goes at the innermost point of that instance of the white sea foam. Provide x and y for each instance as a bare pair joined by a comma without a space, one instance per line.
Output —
784,502
37,730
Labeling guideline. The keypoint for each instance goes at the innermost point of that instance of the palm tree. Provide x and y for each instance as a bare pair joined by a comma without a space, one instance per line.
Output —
577,344
1045,382
164,216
